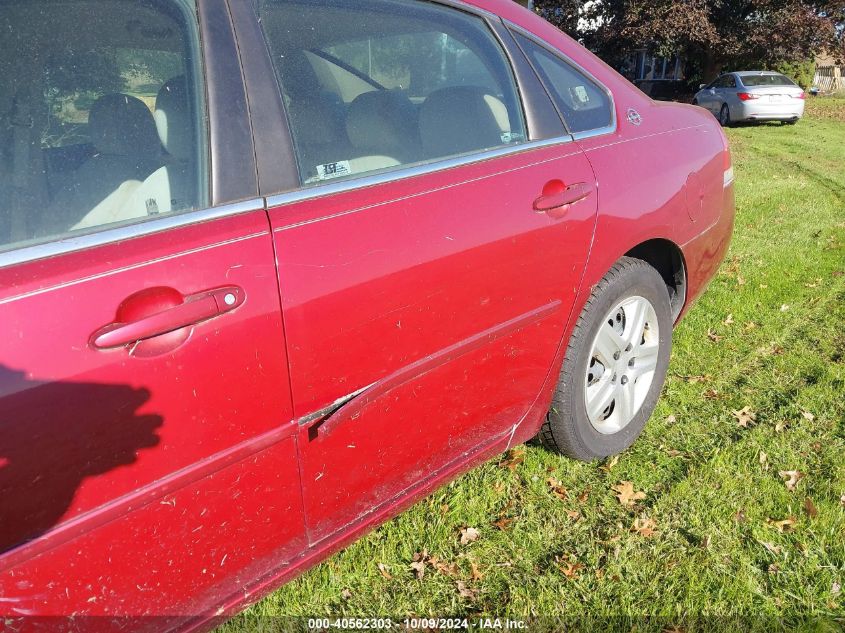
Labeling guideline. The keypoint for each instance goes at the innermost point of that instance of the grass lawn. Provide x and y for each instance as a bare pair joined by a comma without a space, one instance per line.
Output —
734,520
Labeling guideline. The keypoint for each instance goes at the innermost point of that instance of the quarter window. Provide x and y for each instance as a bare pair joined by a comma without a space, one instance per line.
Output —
373,85
583,104
102,118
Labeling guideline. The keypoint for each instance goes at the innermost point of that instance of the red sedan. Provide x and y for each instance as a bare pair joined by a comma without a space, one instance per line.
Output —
272,271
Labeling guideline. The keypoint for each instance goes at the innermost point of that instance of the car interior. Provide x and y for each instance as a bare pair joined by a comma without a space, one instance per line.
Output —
376,88
98,124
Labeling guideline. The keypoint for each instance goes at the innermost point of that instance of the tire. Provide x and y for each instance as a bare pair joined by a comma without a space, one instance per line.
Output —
725,116
568,428
789,122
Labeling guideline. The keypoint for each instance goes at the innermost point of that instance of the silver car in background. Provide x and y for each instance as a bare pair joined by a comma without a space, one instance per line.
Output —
752,96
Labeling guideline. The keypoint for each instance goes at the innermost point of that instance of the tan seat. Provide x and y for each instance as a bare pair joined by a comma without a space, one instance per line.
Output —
462,119
123,133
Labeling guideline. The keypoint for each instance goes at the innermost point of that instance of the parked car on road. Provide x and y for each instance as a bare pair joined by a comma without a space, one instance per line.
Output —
752,96
271,271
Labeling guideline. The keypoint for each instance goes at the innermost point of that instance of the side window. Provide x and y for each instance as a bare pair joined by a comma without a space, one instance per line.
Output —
103,124
583,104
372,86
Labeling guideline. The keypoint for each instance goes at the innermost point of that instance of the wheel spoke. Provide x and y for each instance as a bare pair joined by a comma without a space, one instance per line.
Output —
608,343
636,314
625,403
645,361
599,398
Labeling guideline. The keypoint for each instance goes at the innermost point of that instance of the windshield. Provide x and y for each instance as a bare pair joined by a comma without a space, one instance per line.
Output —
766,80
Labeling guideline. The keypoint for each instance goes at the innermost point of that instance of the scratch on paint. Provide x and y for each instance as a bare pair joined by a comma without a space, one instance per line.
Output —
510,439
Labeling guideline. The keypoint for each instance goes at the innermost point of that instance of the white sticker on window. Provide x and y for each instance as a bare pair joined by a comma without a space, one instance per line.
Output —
334,170
581,94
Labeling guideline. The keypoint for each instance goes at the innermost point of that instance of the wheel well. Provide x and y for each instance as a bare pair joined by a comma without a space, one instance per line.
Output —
666,258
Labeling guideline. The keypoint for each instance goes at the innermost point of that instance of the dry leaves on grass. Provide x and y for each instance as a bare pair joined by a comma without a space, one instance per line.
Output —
807,415
382,569
810,508
469,535
418,563
791,478
476,573
784,525
609,464
711,334
557,488
645,527
764,461
513,458
569,569
466,592
745,416
626,494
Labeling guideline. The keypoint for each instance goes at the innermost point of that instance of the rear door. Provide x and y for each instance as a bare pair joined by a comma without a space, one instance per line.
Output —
424,290
147,456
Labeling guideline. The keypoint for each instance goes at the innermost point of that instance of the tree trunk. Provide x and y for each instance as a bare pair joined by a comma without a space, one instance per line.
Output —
712,65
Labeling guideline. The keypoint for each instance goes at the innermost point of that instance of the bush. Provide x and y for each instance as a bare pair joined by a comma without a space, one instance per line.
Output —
800,72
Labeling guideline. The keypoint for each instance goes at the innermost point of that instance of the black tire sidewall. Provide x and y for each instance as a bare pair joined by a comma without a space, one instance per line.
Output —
580,439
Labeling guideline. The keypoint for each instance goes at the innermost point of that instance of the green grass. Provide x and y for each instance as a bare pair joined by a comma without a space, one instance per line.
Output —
777,312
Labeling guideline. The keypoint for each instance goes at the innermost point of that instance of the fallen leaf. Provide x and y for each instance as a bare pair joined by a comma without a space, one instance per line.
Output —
781,426
444,509
346,594
807,415
382,568
764,461
557,488
469,535
740,517
835,588
573,514
671,419
784,308
740,281
513,458
570,570
791,478
476,573
503,523
645,527
447,569
713,336
773,568
777,350
810,508
674,453
711,394
773,549
750,325
499,487
608,465
729,320
584,495
784,525
466,592
697,379
744,416
418,568
625,493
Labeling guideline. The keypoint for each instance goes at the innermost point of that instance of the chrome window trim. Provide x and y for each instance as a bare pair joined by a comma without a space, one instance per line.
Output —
404,173
107,236
607,129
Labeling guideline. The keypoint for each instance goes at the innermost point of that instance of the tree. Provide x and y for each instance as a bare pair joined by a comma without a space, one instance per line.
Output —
718,33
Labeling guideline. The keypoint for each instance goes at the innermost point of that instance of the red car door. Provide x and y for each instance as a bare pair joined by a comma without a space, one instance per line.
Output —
147,449
424,300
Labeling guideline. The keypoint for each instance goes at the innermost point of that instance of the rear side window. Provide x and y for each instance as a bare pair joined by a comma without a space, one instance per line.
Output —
372,85
584,104
102,120
752,81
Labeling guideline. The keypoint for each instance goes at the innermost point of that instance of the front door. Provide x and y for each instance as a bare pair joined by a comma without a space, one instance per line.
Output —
147,456
424,295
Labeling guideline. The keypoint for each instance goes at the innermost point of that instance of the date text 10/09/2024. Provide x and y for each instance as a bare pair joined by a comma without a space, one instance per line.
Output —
501,624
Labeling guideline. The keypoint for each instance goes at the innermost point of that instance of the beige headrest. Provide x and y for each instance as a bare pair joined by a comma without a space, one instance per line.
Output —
462,119
173,119
385,123
120,125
